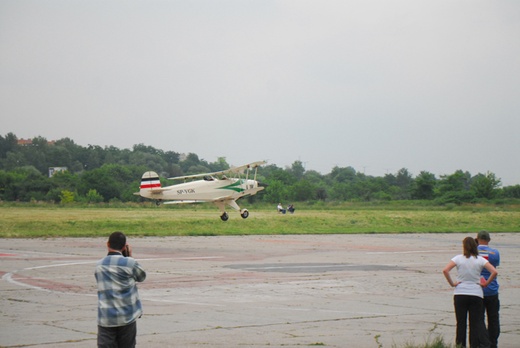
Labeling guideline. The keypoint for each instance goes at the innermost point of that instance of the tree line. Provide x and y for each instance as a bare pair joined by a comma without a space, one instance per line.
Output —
103,174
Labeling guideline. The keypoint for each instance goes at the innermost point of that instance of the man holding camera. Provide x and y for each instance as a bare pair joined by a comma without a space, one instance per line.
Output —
119,305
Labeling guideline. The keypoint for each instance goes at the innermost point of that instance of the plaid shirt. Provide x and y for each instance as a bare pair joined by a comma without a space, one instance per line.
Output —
118,299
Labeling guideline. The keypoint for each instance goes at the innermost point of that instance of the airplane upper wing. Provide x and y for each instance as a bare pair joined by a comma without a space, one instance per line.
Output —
234,170
241,169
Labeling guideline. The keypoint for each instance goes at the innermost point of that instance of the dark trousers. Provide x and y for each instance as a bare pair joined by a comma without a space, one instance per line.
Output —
474,306
117,337
492,307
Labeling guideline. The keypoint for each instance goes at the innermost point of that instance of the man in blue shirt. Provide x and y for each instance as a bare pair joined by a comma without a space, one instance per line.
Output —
491,301
119,305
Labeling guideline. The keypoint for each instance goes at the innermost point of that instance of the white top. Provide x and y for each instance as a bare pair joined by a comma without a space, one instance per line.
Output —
468,274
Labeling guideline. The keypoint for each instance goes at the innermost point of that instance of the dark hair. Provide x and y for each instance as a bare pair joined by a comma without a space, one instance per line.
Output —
117,240
470,247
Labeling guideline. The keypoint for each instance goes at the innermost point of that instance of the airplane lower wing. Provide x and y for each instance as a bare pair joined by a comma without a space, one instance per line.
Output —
221,199
221,204
183,202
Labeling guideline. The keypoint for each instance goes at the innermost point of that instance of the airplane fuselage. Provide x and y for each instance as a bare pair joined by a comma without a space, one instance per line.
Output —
206,190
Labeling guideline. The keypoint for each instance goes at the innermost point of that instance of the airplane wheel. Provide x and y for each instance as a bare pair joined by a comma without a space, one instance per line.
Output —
245,214
224,217
157,203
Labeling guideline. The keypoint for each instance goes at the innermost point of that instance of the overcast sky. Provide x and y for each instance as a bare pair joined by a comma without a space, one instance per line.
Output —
377,85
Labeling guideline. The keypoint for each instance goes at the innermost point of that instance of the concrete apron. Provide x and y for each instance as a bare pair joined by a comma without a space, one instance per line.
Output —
252,291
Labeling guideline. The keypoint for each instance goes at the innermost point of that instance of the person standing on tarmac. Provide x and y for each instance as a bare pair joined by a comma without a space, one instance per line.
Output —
119,305
491,300
468,294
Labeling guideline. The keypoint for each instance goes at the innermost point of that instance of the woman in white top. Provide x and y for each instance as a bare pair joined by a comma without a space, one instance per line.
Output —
468,294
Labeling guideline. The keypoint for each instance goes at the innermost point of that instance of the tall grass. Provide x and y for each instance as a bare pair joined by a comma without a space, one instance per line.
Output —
31,220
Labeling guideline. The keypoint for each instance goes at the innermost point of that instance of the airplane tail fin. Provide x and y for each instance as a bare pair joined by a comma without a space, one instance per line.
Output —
150,181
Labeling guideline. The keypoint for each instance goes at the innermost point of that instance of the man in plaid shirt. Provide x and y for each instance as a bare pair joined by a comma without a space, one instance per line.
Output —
119,305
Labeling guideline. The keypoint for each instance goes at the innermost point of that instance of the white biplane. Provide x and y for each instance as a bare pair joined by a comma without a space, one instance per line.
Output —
220,188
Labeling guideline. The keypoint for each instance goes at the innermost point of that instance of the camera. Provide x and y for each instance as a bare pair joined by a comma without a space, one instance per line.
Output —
125,251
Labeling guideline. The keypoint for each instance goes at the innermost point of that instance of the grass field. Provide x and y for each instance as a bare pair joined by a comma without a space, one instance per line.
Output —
29,221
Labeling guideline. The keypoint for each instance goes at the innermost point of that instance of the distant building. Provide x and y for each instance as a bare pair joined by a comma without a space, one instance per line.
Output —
28,142
24,142
54,170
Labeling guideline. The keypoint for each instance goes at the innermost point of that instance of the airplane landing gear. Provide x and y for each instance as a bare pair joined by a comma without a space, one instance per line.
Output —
224,216
244,214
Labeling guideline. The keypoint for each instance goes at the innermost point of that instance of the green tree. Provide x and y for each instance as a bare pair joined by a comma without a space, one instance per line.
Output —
511,191
93,196
341,191
297,170
273,173
36,154
7,187
424,186
8,144
347,174
171,157
14,160
485,185
173,170
65,181
404,181
67,196
366,189
276,192
454,188
147,149
149,161
318,182
192,160
303,190
31,184
218,165
110,181
95,157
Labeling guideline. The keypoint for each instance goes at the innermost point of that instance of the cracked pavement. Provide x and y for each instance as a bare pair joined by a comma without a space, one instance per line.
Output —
377,290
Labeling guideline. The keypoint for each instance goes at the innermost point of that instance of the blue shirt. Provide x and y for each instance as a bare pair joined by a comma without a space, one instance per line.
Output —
118,299
493,256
